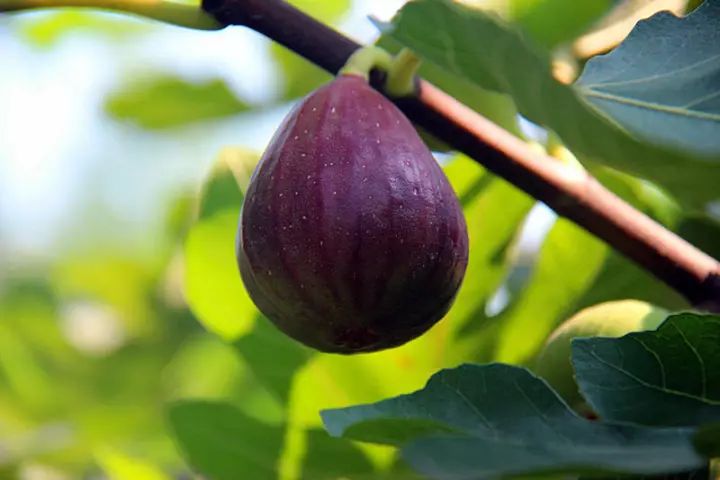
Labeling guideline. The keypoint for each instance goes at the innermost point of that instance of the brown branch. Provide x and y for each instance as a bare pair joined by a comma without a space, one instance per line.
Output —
572,194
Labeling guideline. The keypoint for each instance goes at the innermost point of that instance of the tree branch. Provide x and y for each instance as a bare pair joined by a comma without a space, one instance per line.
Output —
572,194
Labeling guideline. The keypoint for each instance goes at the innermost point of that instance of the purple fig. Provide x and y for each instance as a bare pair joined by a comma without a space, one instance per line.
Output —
351,238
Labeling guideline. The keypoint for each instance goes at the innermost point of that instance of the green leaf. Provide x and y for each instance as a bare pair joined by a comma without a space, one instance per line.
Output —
568,263
551,22
213,287
707,440
227,181
323,10
47,29
165,101
667,377
493,210
480,48
273,357
223,443
330,458
496,420
299,76
661,83
118,466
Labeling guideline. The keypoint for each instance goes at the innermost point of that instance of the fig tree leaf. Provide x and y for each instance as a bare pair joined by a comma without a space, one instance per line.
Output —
273,357
707,440
551,22
165,101
227,181
47,29
569,260
484,421
666,377
663,82
493,210
482,49
119,466
222,443
328,458
213,287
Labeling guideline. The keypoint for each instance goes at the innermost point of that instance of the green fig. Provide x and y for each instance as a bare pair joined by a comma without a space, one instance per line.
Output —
609,319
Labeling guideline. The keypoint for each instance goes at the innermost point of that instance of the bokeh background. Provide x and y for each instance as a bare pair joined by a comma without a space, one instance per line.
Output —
115,300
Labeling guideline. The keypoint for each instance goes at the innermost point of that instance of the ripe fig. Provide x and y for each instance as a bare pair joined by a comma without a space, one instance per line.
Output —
609,319
351,238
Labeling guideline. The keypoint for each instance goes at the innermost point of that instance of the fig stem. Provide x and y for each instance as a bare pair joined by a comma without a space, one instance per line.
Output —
174,13
401,75
365,59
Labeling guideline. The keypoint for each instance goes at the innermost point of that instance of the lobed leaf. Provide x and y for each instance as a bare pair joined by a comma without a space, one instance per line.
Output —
666,377
479,421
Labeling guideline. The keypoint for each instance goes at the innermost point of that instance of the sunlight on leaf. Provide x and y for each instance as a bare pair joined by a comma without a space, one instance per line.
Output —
164,101
119,466
45,30
213,286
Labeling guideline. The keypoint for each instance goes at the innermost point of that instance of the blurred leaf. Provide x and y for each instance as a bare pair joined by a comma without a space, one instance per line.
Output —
228,180
568,263
213,286
702,231
323,10
203,367
224,444
666,377
493,210
273,357
516,67
165,101
620,278
22,370
121,282
299,76
335,380
44,30
551,22
330,458
707,440
118,466
496,420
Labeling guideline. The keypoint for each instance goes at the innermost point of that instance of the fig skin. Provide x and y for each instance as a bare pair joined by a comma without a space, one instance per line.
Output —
351,238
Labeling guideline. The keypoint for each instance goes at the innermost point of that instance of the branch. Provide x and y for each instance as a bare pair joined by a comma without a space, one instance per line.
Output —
167,11
572,194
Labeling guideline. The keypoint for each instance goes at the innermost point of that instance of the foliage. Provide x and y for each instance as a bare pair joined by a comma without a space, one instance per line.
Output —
123,365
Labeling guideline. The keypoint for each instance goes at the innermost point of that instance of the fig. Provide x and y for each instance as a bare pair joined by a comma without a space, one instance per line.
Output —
609,319
351,238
